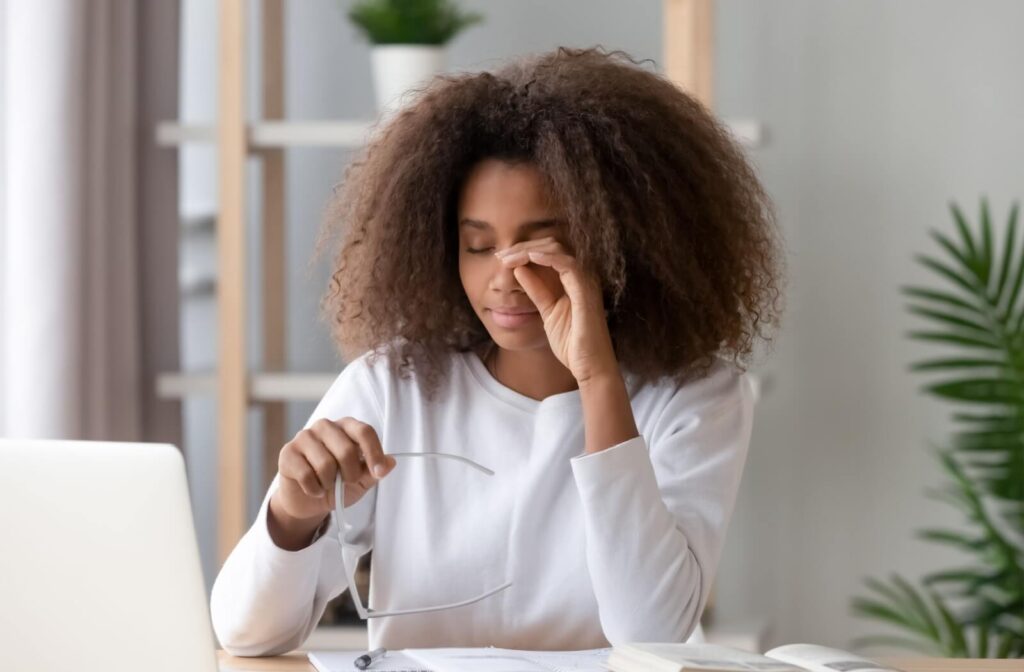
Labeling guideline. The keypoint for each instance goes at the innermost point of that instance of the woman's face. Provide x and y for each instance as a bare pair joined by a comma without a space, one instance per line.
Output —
502,204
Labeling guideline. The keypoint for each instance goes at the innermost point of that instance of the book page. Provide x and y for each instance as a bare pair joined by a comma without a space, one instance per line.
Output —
683,656
825,659
510,660
344,661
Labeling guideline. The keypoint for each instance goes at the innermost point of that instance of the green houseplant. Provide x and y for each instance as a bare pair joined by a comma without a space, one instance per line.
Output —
408,38
976,610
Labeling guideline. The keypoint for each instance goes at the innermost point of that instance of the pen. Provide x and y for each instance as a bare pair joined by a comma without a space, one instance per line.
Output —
367,659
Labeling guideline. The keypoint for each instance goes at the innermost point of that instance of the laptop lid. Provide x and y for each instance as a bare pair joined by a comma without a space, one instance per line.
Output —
99,566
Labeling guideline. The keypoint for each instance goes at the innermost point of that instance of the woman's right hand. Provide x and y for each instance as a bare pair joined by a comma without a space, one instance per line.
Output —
309,464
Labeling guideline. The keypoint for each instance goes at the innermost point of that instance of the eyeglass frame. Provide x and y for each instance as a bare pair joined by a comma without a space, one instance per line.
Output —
339,518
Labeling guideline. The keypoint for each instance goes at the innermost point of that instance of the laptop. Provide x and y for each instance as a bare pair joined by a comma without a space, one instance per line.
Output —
99,566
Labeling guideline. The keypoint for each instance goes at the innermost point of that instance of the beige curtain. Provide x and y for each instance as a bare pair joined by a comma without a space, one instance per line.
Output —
88,260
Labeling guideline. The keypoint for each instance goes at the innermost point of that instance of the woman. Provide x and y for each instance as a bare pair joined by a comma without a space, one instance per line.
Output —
554,270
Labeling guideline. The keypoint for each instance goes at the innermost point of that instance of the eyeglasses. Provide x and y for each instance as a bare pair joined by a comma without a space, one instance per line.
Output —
339,517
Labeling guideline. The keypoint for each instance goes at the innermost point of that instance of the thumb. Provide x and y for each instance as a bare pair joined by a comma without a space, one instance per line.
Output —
539,294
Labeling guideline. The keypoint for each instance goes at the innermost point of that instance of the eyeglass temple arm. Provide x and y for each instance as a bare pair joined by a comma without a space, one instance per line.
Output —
450,456
371,613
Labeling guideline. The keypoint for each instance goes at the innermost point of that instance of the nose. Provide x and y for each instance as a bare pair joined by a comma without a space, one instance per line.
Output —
503,280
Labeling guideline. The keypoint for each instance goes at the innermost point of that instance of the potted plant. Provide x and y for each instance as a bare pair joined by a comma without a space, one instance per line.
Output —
408,38
976,610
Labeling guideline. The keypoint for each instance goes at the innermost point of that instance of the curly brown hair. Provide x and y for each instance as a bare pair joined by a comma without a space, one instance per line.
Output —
658,200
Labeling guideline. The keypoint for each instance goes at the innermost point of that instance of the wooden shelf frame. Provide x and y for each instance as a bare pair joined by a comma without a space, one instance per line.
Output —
688,50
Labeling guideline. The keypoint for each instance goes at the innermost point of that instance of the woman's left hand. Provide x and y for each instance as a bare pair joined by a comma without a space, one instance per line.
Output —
570,304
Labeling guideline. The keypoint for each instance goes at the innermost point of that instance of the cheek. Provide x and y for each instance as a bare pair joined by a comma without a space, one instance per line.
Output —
473,278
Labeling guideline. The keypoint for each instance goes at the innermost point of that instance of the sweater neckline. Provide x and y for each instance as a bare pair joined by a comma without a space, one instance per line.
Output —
517,399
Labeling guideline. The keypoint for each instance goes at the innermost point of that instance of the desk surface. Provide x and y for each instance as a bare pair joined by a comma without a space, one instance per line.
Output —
296,662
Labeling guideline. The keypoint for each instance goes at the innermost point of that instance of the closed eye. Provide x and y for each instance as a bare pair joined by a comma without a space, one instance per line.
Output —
480,251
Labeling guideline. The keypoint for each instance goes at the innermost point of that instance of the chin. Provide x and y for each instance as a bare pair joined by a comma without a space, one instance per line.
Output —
520,341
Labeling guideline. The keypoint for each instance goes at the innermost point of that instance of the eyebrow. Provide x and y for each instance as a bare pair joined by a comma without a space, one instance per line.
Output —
525,227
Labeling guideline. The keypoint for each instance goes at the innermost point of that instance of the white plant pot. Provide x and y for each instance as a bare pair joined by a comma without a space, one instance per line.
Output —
397,68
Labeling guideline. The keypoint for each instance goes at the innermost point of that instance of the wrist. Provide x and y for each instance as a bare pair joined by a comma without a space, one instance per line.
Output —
288,532
603,381
607,412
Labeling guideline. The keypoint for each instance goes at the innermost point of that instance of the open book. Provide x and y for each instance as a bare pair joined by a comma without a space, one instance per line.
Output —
715,658
487,659
627,658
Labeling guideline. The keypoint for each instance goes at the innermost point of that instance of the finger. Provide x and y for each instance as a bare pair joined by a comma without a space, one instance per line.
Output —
539,243
323,463
576,286
344,451
369,444
301,470
536,289
291,464
336,441
352,469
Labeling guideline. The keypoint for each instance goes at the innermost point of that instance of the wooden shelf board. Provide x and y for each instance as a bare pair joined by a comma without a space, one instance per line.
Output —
348,134
277,386
284,386
272,134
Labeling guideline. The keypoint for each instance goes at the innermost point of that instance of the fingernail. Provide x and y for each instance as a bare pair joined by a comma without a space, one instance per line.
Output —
379,471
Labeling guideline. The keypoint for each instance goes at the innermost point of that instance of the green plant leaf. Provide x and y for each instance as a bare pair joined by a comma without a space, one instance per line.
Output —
1005,421
971,266
1006,646
942,297
977,390
1006,265
965,234
994,440
951,538
923,647
981,649
876,609
920,607
977,608
949,318
957,363
985,255
1010,298
432,22
953,339
965,282
905,607
957,642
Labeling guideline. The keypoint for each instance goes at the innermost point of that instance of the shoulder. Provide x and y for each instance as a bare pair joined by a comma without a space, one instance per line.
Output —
725,388
397,381
355,392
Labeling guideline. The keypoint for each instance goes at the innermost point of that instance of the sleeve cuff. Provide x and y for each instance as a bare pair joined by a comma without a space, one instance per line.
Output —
597,470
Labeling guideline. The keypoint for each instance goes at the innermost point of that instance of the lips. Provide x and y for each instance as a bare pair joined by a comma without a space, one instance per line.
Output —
514,311
513,320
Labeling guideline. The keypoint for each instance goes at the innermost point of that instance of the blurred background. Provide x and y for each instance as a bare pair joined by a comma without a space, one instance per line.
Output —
119,248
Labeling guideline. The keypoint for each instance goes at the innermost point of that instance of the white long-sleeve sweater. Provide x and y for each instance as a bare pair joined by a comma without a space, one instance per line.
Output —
620,545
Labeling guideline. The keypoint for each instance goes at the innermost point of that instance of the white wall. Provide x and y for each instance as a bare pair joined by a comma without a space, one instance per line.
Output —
3,191
877,114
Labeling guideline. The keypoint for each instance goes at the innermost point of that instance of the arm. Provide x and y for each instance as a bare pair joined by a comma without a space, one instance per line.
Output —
656,510
607,415
267,598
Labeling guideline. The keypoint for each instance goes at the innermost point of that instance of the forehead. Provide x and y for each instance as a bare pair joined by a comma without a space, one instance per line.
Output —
467,224
505,194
